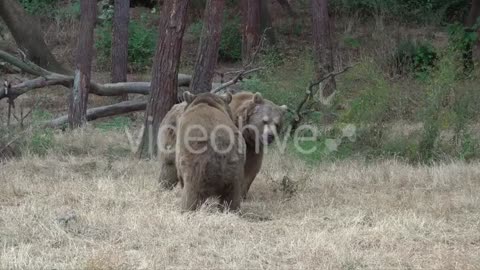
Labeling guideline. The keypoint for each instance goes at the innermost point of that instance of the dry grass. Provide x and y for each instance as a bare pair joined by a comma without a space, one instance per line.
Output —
96,211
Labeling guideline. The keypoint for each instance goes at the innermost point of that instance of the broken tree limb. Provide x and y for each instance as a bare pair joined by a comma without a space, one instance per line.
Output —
104,111
237,78
309,94
246,68
47,78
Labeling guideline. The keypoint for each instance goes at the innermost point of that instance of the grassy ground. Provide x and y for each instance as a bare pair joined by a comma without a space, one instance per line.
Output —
97,210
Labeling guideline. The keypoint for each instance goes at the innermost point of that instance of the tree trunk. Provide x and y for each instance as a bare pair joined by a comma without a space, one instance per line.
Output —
120,42
470,21
266,23
77,114
473,14
163,94
207,53
251,28
28,35
323,48
287,7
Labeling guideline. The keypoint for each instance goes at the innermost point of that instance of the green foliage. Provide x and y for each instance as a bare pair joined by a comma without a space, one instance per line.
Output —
69,11
141,44
41,141
462,41
351,42
438,88
195,29
419,11
372,103
414,57
116,123
231,43
38,6
231,40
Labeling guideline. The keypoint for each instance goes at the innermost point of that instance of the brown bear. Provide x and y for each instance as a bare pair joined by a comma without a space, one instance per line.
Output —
259,120
210,152
166,146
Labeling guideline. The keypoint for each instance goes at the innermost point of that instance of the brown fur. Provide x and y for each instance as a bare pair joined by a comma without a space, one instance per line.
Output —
166,143
252,112
247,109
209,173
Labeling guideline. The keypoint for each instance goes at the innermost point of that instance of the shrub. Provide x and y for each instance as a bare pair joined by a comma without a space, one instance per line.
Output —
231,43
419,11
439,86
413,57
38,6
141,44
231,40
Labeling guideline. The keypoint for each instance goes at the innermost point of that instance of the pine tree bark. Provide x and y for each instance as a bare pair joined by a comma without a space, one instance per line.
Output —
79,96
163,94
251,10
473,13
207,53
28,36
120,42
323,47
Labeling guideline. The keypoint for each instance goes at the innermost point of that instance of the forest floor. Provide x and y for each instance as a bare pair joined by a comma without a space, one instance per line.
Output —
87,204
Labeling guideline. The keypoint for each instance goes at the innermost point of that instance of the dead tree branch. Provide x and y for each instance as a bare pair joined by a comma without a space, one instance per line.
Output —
104,111
237,78
47,78
309,95
246,68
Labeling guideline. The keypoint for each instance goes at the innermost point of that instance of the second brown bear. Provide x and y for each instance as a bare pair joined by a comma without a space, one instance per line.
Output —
210,152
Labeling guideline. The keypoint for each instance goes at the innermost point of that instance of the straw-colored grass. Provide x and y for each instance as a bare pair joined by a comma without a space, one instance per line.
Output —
93,211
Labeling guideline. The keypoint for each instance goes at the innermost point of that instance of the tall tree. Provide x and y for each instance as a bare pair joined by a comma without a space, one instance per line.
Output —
163,93
323,47
77,114
207,53
28,35
251,10
473,14
468,47
120,42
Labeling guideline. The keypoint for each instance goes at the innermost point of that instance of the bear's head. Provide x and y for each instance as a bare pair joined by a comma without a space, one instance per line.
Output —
259,119
220,102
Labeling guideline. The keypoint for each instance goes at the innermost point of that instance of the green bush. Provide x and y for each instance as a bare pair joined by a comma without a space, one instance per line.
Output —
41,141
141,44
231,43
231,40
117,123
439,86
68,12
38,6
413,57
419,11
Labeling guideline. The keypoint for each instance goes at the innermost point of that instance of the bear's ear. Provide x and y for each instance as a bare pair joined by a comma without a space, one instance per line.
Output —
257,98
188,97
284,108
227,97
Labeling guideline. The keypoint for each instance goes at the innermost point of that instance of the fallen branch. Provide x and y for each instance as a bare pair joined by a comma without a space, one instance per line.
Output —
237,78
310,93
47,78
245,70
104,111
